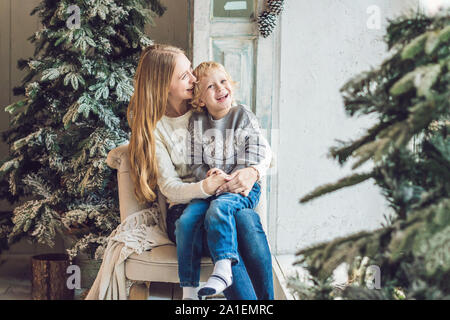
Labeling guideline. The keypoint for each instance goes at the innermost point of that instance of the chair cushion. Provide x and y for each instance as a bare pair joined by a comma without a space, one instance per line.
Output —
160,264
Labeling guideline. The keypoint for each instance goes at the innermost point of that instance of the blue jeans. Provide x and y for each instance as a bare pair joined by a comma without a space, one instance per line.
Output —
254,256
252,277
217,215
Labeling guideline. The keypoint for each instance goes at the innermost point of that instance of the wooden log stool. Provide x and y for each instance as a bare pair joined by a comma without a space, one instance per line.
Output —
49,277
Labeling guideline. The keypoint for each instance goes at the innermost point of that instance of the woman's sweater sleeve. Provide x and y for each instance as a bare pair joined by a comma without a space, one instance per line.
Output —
264,165
258,146
169,182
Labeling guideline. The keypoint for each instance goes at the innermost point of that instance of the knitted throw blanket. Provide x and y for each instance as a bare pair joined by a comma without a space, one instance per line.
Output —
139,232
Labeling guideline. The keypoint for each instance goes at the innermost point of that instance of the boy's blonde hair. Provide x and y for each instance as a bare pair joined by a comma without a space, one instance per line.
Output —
202,70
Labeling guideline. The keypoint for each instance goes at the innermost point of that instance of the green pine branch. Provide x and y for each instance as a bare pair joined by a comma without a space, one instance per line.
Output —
342,183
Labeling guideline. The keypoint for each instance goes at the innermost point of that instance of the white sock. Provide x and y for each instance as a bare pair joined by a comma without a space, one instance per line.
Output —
220,279
190,293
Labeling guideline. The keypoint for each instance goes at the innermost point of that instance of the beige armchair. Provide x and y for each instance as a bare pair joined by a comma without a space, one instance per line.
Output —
160,263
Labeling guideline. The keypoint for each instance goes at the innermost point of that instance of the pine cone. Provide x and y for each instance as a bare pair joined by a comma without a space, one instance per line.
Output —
266,22
275,6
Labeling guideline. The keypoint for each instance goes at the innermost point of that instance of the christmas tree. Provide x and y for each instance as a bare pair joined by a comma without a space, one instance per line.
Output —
410,150
73,113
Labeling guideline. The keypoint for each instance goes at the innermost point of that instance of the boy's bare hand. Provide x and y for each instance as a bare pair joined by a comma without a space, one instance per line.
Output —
241,181
214,171
214,181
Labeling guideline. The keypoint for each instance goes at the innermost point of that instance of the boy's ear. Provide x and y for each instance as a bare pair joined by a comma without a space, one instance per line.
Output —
201,103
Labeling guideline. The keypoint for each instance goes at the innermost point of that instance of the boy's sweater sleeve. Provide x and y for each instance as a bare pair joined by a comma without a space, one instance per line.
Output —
170,183
257,152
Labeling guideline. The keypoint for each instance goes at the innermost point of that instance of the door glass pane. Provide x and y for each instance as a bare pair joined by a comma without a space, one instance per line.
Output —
233,8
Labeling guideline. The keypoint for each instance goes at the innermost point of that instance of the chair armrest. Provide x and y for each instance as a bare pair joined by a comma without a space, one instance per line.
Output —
273,162
118,159
114,158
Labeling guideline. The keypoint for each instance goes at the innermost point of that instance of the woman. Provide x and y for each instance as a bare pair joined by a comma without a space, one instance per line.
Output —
157,111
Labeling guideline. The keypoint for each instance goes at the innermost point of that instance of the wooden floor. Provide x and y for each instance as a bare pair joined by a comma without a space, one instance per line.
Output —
20,289
15,281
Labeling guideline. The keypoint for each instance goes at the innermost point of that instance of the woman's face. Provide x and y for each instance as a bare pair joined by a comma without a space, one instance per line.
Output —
182,83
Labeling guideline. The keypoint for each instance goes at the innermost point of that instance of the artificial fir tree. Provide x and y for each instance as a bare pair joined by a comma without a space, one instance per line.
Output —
77,90
410,149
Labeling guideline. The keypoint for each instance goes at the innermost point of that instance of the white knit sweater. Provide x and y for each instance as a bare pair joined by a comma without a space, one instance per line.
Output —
175,178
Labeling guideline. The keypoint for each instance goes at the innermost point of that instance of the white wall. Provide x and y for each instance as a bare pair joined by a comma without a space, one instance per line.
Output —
323,44
172,28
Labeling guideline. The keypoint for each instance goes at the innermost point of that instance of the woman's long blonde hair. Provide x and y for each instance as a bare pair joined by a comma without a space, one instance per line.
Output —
147,106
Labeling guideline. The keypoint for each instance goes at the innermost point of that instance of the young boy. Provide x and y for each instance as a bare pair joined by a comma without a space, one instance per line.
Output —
224,139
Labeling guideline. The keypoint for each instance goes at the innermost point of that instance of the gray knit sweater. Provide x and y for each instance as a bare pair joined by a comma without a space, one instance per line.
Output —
231,143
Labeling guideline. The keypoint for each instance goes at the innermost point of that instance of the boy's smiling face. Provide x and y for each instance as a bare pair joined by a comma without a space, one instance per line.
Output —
216,93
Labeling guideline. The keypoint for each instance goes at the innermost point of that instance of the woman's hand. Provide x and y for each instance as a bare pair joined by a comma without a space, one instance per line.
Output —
214,181
241,181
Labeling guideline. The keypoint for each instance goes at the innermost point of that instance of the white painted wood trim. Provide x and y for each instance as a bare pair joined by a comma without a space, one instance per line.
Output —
281,291
272,179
